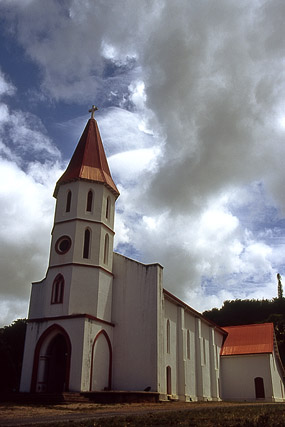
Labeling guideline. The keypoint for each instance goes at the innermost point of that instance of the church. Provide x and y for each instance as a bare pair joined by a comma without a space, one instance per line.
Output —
100,321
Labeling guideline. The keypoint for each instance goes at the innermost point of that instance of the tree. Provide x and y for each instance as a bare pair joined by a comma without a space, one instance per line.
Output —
280,288
245,312
12,340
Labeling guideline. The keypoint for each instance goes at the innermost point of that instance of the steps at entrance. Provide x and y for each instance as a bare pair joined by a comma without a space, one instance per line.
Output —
84,397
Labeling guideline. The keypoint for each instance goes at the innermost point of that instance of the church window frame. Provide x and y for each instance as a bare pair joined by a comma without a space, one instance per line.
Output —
106,249
188,345
89,201
108,207
216,357
63,244
68,201
100,334
168,381
86,243
204,358
168,336
57,292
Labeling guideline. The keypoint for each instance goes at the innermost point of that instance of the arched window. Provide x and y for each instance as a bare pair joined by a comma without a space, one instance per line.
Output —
86,245
68,202
168,336
89,201
57,290
106,249
108,208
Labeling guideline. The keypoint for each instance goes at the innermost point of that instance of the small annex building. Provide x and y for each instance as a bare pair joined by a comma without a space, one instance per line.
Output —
251,367
102,321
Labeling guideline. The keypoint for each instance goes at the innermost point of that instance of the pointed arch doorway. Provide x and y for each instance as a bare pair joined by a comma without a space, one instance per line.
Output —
51,368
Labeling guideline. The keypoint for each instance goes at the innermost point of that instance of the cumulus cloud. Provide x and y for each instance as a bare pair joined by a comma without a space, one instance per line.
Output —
29,164
26,213
194,136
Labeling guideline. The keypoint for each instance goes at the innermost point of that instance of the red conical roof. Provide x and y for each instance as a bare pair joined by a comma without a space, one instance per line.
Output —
89,161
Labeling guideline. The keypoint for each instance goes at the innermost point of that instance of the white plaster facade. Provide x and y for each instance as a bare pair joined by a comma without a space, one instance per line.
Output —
101,321
239,374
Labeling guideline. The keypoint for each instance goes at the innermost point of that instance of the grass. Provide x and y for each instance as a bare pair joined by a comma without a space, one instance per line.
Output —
238,416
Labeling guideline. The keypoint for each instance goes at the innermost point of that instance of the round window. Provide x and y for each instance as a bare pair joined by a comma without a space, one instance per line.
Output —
63,245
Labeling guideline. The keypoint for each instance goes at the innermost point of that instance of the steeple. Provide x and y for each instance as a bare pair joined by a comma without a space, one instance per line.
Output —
81,254
89,162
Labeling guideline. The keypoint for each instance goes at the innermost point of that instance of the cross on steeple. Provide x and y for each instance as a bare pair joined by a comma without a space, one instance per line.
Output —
92,111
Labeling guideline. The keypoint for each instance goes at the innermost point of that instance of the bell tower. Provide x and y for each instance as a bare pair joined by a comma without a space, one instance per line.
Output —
81,253
70,315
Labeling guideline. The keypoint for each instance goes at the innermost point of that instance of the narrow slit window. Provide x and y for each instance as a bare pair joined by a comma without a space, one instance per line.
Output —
108,208
188,344
89,201
86,246
68,202
106,249
168,380
168,336
57,290
204,351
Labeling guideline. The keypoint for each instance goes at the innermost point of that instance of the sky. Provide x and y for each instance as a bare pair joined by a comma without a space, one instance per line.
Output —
192,118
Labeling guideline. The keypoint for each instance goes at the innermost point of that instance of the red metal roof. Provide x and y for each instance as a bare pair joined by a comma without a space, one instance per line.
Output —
89,160
248,339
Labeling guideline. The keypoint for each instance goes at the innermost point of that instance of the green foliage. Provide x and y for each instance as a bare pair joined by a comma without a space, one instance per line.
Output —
245,312
12,340
280,287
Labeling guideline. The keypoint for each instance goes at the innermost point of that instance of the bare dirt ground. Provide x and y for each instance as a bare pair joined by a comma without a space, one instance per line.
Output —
35,415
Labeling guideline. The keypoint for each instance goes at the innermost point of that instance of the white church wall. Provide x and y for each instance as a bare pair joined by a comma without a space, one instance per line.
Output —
205,361
60,230
210,344
91,292
277,379
32,334
170,346
60,210
238,374
75,331
192,353
86,290
137,298
190,374
97,355
215,342
79,192
65,224
41,295
37,300
58,309
111,217
105,296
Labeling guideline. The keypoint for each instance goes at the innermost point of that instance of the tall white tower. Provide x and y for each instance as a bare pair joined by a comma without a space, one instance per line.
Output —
70,310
